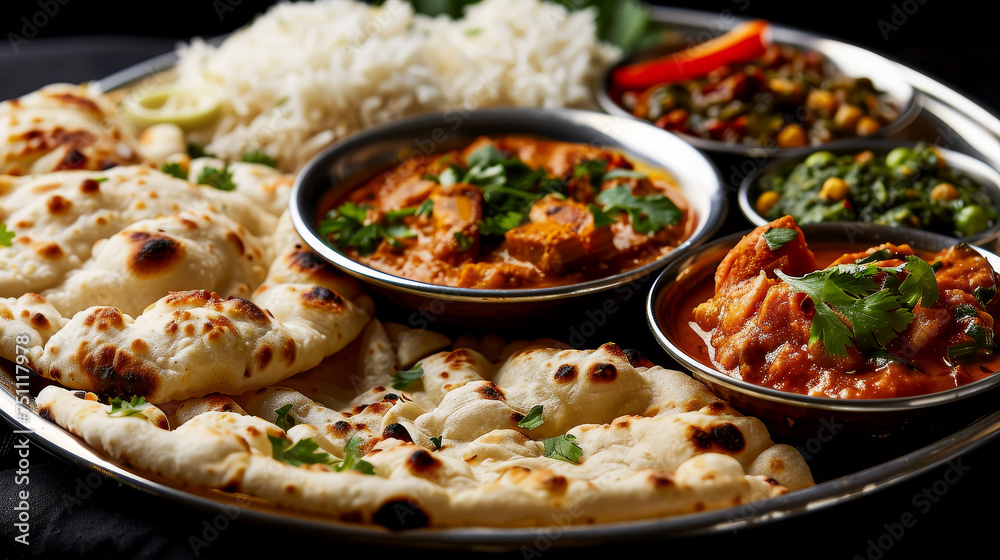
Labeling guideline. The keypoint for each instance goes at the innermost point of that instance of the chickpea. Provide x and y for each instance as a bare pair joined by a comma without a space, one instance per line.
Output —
784,87
847,116
792,136
867,126
943,192
834,189
822,100
766,201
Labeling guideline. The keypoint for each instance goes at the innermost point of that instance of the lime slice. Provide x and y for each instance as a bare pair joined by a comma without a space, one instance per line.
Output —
190,108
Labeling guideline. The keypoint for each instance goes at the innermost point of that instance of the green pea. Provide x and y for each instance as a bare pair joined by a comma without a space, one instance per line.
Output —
971,220
898,156
819,159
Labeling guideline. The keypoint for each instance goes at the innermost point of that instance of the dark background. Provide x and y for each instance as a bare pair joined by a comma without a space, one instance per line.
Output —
953,42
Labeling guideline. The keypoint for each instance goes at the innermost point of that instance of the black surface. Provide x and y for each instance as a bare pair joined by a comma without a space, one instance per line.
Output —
75,512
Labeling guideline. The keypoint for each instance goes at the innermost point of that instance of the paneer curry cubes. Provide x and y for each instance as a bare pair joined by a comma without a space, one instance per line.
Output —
511,212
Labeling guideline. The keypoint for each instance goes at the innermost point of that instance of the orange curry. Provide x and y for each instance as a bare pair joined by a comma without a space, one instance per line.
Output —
892,324
511,212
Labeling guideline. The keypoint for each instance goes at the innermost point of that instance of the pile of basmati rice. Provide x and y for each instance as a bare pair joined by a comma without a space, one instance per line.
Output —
305,74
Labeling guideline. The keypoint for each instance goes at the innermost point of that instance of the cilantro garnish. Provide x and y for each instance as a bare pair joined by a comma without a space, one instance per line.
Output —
130,407
649,213
777,237
303,452
601,218
197,151
283,417
437,442
564,448
306,452
463,240
221,179
426,208
405,378
6,236
175,169
533,419
500,223
348,226
259,156
352,458
851,310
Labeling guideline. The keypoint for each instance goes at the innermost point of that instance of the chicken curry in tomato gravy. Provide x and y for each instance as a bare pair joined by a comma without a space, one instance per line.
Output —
881,323
511,212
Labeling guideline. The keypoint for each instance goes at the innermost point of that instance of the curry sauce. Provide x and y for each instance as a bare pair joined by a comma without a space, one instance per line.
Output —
511,212
752,322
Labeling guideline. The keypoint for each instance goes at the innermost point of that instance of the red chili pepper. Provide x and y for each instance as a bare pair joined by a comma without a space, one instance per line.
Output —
744,42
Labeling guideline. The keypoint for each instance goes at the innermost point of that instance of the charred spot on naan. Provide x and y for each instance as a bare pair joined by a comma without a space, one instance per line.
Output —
602,373
491,392
310,264
724,437
323,298
422,463
153,253
397,431
565,373
115,371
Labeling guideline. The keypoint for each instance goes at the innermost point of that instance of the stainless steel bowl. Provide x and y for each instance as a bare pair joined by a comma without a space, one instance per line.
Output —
854,61
343,165
975,169
801,417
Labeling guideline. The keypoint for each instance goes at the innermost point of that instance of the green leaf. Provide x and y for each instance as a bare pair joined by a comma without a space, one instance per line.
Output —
920,285
175,169
352,458
851,310
501,223
426,208
564,448
649,214
437,442
303,452
260,157
221,179
283,417
776,238
131,407
533,419
197,150
601,218
6,236
345,227
406,377
464,240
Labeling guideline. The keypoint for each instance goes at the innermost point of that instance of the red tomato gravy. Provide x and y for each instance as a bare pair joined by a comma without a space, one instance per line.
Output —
766,342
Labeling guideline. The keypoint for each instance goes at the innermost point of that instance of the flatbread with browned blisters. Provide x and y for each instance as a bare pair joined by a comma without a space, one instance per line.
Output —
452,450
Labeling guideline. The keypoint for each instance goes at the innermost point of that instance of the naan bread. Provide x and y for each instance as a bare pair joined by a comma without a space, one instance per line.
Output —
133,281
59,218
62,127
448,450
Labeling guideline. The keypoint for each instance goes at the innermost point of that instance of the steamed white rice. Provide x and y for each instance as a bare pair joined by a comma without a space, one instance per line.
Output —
305,74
